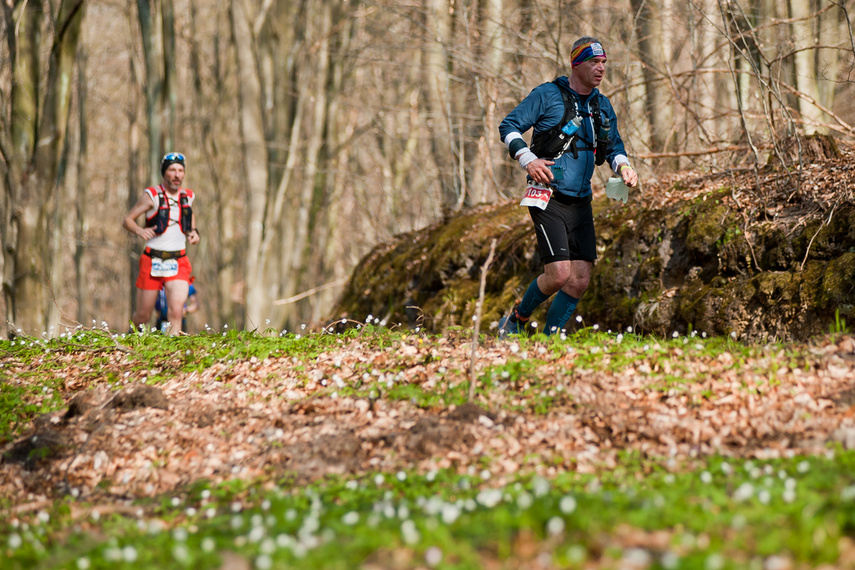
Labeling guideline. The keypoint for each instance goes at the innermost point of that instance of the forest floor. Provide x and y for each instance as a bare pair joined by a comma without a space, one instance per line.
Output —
116,426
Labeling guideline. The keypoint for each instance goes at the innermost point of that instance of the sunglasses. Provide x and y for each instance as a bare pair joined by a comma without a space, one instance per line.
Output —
173,156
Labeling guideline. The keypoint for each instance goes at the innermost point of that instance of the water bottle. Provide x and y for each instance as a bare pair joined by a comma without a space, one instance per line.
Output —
571,127
605,126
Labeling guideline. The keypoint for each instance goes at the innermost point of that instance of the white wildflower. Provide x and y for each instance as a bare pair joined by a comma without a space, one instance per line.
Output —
489,497
555,525
129,554
409,532
449,513
567,505
744,492
524,501
433,556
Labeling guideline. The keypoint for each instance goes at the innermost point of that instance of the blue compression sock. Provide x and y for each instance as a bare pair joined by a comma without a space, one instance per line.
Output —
532,298
559,312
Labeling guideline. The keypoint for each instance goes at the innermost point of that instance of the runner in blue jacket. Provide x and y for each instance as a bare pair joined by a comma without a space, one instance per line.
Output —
574,129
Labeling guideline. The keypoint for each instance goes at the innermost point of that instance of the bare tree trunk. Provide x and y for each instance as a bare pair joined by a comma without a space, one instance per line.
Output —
157,24
317,111
437,87
80,229
150,19
494,42
652,37
806,82
254,147
133,179
170,77
331,224
703,85
828,59
40,110
221,243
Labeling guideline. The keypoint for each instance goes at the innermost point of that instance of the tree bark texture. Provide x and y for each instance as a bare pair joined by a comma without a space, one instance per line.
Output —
254,171
157,27
32,148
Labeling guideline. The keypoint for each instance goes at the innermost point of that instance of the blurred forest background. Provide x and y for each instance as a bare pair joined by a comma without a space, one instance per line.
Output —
316,129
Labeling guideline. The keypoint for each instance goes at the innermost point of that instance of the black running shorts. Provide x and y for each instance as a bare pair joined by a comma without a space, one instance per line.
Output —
565,230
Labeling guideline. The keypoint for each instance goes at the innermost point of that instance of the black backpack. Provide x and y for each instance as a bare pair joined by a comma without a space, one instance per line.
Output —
553,142
160,220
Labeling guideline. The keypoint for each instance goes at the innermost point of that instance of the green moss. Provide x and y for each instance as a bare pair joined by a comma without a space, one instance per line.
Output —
709,228
838,282
697,264
776,287
811,283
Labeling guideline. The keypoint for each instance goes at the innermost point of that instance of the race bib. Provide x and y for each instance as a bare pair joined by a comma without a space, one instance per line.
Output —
164,267
537,195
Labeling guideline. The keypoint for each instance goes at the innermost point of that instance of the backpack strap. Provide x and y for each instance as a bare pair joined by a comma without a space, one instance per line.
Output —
601,131
596,117
185,217
160,220
571,107
552,143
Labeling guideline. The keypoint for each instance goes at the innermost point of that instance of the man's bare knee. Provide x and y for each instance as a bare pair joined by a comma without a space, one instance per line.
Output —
555,275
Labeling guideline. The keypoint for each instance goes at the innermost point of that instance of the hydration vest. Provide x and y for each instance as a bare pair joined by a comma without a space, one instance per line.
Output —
552,143
160,219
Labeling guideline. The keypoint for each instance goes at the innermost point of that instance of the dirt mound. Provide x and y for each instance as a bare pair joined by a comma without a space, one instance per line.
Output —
139,397
469,413
44,445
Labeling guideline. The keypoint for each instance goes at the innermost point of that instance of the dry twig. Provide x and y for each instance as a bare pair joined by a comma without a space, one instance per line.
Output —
476,330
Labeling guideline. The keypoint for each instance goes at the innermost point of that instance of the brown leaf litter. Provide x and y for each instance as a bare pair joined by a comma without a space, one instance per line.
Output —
283,417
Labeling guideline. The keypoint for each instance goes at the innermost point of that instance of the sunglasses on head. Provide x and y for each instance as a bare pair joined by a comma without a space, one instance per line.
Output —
173,156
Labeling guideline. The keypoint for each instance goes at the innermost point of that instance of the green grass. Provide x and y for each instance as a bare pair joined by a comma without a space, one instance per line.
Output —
715,512
724,513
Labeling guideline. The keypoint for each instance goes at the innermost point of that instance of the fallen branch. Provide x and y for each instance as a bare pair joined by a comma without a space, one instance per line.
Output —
691,152
822,225
476,330
310,292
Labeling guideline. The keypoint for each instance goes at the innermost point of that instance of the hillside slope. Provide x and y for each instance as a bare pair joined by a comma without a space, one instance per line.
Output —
768,255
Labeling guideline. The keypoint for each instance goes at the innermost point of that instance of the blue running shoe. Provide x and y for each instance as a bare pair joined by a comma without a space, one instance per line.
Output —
512,324
508,325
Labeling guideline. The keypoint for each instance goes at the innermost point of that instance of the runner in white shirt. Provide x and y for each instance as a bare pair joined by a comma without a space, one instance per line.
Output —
170,225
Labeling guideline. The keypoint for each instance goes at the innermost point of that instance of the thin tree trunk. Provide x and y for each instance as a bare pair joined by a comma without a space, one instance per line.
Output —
494,62
80,227
806,78
254,163
170,78
652,37
220,240
437,86
133,179
151,28
828,58
318,113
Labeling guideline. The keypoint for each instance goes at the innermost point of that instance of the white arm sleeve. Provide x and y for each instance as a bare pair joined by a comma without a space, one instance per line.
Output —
523,155
618,160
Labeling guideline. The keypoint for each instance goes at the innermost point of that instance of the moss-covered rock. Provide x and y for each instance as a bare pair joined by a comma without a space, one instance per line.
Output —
701,261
